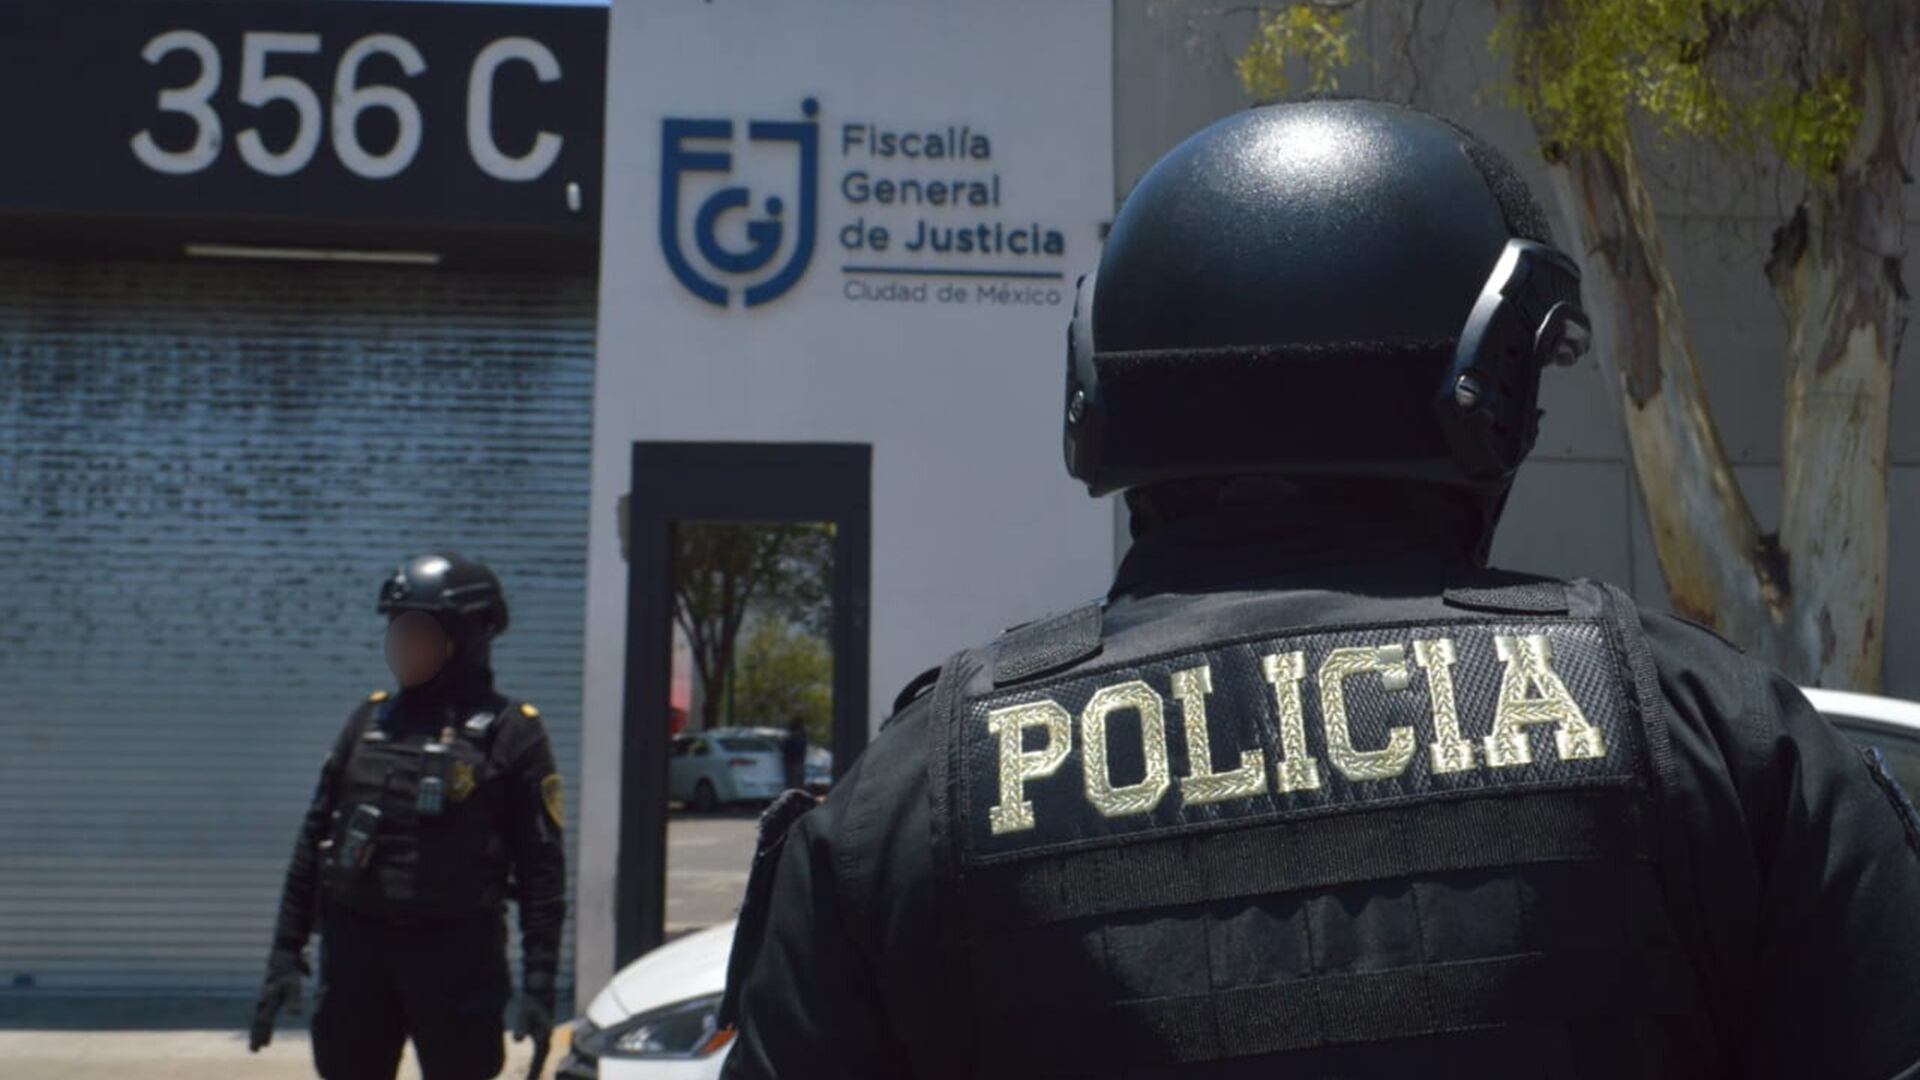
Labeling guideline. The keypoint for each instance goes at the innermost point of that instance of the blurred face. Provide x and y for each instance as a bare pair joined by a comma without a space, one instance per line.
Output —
416,648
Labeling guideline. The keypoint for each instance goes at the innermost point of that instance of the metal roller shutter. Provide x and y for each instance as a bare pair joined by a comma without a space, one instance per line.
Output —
207,470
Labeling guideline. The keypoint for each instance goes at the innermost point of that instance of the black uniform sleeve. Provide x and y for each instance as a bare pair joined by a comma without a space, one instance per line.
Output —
535,817
847,966
1815,920
300,894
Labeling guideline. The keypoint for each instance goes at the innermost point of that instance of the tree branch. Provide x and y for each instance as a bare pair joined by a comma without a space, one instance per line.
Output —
1268,9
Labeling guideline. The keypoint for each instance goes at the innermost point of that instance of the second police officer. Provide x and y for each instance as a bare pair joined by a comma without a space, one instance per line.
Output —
437,804
1312,792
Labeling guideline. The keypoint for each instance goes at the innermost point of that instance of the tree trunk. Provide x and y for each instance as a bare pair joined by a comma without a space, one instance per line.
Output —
705,670
1836,269
1811,600
718,668
1720,570
712,690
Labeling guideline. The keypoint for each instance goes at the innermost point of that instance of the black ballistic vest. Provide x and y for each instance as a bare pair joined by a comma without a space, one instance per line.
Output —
441,857
1312,847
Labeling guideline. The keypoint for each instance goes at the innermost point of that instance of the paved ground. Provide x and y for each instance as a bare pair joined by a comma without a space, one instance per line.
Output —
707,860
117,1039
185,1055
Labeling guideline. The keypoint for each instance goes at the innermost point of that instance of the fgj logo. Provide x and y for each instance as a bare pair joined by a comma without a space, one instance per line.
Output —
725,258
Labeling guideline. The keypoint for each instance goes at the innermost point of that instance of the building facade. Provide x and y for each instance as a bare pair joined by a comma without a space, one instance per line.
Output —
592,277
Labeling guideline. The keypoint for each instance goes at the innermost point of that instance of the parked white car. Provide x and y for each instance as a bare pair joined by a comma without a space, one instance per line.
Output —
709,769
1890,724
655,1020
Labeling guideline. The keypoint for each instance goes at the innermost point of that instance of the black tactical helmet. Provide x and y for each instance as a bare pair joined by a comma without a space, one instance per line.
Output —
1323,288
448,586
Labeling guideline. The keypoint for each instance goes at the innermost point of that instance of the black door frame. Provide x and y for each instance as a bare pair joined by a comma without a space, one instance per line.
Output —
712,481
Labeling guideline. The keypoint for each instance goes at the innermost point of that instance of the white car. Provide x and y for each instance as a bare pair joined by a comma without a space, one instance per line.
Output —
656,1019
709,769
1888,724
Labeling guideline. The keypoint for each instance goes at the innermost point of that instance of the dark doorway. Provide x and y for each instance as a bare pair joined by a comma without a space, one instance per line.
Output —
746,627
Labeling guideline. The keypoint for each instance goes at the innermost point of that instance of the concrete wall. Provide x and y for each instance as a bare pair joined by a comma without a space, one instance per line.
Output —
1575,508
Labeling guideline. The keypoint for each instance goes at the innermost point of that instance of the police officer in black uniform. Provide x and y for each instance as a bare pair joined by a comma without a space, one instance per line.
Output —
436,804
1313,792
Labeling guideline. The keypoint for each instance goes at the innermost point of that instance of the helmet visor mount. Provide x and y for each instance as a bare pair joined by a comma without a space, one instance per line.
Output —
1528,317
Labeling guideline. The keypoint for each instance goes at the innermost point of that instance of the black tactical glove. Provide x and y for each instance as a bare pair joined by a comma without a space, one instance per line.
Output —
281,991
533,1018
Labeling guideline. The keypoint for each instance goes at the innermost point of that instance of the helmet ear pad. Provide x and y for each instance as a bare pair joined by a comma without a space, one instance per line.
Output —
1086,412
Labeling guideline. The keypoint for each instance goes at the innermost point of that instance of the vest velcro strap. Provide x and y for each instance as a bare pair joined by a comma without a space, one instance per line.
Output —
1502,591
1350,1008
1374,843
1048,645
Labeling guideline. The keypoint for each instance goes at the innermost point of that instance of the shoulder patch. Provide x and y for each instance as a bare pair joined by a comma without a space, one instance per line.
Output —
378,696
528,711
553,797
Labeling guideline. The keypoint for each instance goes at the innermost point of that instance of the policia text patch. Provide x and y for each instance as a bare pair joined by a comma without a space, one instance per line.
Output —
1294,726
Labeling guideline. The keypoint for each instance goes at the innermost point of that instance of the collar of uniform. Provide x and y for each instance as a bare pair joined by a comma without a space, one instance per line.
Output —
1235,547
432,707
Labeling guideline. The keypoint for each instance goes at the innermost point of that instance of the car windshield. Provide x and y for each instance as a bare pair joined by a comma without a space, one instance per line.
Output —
1900,748
738,744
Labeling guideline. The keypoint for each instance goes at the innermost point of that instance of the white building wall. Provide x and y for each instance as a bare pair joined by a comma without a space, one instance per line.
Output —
975,523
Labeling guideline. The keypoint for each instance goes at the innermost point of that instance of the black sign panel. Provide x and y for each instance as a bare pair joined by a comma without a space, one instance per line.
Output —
422,117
